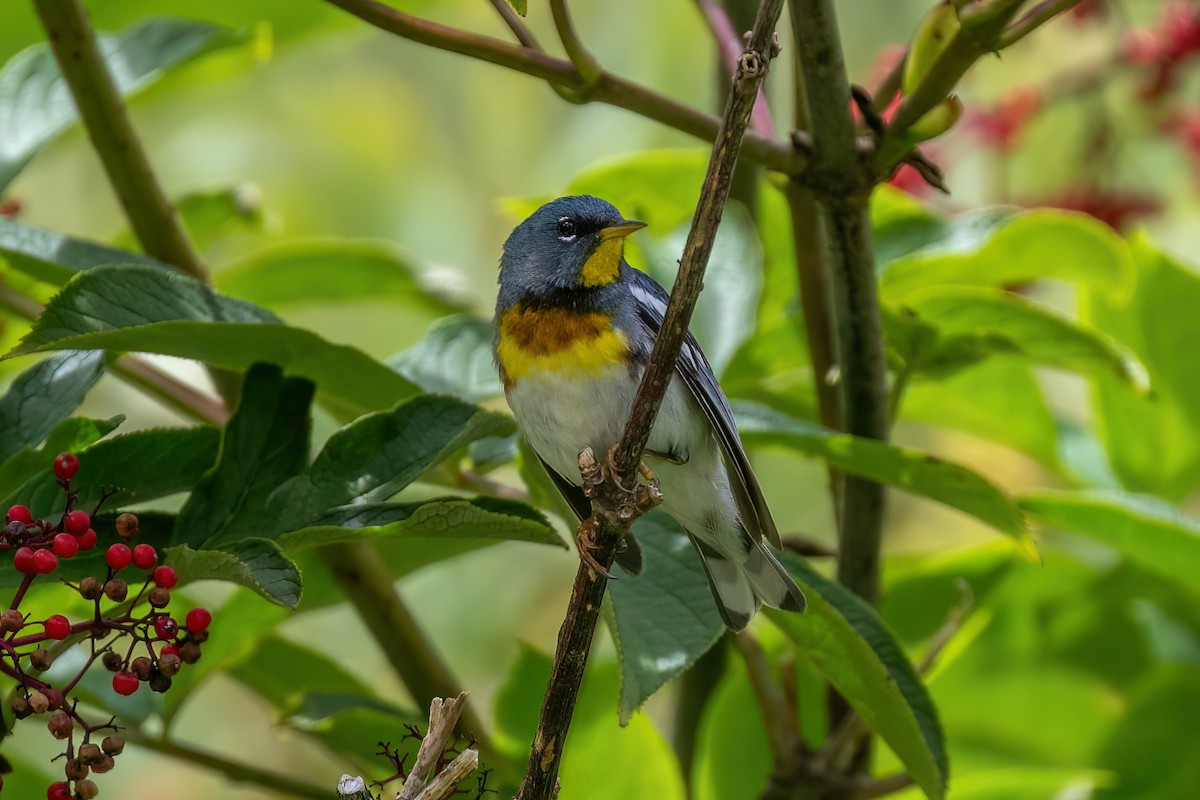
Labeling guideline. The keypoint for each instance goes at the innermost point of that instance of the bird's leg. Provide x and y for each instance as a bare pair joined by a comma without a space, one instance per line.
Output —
644,497
585,540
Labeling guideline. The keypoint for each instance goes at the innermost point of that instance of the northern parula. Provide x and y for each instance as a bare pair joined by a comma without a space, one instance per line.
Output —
574,328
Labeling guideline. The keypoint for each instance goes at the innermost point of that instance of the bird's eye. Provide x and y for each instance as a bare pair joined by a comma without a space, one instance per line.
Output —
566,228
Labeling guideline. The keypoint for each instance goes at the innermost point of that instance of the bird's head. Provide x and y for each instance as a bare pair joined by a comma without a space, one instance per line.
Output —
569,243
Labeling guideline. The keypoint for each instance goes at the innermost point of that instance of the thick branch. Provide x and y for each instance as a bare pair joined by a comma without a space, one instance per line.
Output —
729,48
843,184
151,215
609,522
608,88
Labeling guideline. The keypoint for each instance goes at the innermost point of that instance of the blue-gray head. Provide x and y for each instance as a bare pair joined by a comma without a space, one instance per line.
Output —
569,243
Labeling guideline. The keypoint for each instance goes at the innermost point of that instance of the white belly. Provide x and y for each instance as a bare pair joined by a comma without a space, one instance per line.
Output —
561,415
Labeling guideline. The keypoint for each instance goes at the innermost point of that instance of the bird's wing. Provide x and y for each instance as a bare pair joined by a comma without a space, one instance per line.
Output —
698,376
630,555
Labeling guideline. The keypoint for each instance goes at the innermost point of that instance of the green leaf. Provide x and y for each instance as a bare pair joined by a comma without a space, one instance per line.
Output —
283,672
972,323
256,563
1153,442
845,638
209,216
35,104
519,6
297,273
264,444
43,396
51,257
140,466
665,618
351,724
379,454
1030,246
454,358
484,518
901,467
726,311
70,436
1143,529
136,308
902,225
649,768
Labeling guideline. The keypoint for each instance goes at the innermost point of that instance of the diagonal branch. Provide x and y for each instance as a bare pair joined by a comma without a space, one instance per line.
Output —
612,514
608,88
729,45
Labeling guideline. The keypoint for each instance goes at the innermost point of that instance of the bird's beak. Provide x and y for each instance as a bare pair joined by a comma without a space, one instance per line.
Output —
621,230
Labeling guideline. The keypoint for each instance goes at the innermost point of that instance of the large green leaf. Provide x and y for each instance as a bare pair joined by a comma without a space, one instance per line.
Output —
901,467
139,466
970,323
53,257
283,672
299,273
353,724
138,308
454,357
902,225
70,436
845,638
663,619
43,396
1030,246
379,454
209,216
256,563
35,103
1143,529
1153,442
483,519
264,444
648,767
726,310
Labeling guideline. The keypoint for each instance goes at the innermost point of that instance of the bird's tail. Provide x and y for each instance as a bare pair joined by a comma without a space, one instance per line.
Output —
741,586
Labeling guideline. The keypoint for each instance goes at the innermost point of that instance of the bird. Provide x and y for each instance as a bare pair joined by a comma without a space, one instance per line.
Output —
573,331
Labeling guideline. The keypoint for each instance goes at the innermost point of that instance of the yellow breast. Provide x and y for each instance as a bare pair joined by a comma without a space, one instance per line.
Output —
557,340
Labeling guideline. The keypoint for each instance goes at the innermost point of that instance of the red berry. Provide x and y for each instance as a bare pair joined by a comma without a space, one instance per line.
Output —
198,620
23,560
125,683
44,562
58,627
169,650
58,791
66,545
166,627
165,577
77,522
20,514
65,466
144,556
118,556
87,540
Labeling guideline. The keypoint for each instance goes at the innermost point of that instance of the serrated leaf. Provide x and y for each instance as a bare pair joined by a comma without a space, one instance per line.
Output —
454,358
484,518
297,273
1143,529
264,444
70,435
845,639
379,454
904,468
53,257
969,324
1028,246
140,466
137,308
665,618
35,103
256,563
43,396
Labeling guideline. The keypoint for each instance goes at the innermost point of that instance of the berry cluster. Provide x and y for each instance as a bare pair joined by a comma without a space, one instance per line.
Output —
136,638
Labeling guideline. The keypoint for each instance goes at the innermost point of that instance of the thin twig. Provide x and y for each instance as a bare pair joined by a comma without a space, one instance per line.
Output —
603,531
870,789
585,63
782,733
729,45
951,626
515,24
233,770
609,89
443,718
151,214
1036,17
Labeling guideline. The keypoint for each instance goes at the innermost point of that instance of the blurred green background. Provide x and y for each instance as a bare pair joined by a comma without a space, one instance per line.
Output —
328,128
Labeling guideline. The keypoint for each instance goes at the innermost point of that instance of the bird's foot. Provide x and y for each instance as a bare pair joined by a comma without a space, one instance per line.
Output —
642,496
585,540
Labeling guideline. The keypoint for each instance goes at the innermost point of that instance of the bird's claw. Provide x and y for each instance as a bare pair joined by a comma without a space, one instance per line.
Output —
585,541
